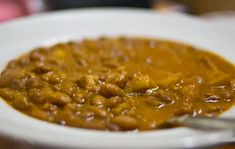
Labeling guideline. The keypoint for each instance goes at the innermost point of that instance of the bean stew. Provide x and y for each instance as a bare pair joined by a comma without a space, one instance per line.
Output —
118,84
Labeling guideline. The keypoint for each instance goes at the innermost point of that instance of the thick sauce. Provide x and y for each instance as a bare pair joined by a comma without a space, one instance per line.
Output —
118,84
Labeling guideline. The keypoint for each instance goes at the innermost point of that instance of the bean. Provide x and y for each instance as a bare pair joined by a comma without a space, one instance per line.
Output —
37,55
118,78
20,102
233,84
120,108
18,84
113,101
59,53
113,127
39,113
7,94
87,114
57,98
41,68
129,112
94,124
80,96
100,113
110,90
125,122
111,64
53,77
35,95
166,97
46,106
24,61
79,100
34,82
98,100
9,75
65,87
72,107
89,82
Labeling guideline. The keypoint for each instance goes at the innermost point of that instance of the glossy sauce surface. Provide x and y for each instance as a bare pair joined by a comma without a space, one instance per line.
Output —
118,84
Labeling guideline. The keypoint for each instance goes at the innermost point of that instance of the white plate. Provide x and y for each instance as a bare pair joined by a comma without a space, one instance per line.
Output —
22,35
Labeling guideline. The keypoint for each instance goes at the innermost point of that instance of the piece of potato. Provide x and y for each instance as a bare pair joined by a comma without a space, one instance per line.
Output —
139,83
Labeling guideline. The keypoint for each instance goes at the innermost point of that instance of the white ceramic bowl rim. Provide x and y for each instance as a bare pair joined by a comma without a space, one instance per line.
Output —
22,35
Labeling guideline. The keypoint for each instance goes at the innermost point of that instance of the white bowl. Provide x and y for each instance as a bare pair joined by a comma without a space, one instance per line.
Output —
22,35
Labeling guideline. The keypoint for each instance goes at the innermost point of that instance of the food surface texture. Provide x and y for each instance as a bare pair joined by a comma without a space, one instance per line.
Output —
118,84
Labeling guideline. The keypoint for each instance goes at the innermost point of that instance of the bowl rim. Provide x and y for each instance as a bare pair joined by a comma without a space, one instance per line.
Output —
43,133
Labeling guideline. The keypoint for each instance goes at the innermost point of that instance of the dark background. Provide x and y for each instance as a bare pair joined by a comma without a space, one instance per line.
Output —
192,6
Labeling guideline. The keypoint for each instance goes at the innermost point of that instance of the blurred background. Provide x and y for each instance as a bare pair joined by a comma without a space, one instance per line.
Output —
222,12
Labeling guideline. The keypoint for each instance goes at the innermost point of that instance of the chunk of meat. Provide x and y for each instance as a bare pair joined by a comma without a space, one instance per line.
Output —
139,83
169,79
